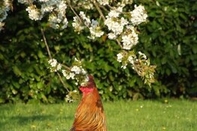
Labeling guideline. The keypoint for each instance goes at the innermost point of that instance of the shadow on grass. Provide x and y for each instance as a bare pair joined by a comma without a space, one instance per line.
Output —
21,120
24,121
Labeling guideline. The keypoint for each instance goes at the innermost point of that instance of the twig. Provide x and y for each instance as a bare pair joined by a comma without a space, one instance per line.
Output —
45,42
67,68
99,10
119,43
60,77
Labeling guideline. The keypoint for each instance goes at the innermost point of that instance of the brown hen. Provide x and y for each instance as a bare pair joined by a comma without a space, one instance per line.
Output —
89,115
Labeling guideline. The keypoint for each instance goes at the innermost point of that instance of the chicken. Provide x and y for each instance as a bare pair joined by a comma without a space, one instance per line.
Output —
89,115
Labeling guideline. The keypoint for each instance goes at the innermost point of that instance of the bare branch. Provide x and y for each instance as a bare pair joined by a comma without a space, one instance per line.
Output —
45,42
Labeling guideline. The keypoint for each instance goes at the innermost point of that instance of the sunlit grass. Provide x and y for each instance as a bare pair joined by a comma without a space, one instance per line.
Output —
174,115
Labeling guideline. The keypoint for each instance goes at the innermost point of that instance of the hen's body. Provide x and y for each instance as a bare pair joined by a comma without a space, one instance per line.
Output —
89,115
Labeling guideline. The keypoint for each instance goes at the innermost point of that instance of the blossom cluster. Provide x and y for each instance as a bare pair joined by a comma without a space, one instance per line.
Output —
55,8
140,63
131,58
74,72
138,15
121,24
54,65
118,22
72,96
82,21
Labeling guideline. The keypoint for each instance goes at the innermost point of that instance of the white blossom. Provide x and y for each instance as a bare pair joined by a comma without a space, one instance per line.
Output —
46,8
77,60
61,7
103,2
7,3
123,21
86,4
83,71
142,55
86,79
115,12
44,0
130,39
72,75
59,66
55,66
120,57
112,36
131,59
115,25
34,13
64,23
54,21
124,66
138,15
86,19
77,24
95,30
68,75
5,7
52,62
55,8
1,25
76,69
125,2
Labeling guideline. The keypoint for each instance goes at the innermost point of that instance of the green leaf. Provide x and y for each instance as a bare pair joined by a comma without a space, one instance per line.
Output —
16,71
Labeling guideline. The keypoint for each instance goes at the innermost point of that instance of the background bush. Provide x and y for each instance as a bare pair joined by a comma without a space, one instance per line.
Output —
169,39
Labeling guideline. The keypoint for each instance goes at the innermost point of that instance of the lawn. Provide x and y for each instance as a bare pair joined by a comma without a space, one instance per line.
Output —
174,115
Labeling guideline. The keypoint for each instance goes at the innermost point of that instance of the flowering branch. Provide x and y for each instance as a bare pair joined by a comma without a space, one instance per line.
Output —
118,24
49,53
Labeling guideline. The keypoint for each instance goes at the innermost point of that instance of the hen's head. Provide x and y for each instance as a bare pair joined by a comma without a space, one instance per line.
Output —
89,86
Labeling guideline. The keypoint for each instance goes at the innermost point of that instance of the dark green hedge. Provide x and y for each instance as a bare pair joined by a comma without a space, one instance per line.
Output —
169,39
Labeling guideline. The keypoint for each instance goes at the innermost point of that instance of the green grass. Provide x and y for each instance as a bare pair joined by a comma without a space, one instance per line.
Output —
176,115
